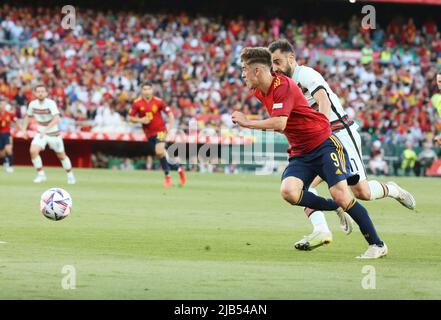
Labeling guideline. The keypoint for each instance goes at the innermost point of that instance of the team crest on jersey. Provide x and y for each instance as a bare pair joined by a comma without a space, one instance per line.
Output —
142,108
154,108
277,82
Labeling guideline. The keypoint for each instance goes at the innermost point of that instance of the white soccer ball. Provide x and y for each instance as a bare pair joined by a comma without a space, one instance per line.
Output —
55,204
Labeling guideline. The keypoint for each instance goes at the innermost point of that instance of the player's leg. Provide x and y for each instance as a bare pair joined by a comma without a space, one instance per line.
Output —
57,145
37,145
316,217
295,181
175,165
161,154
336,172
8,158
372,189
2,147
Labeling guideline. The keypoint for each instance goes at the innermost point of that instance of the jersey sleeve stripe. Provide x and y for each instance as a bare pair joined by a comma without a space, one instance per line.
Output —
317,89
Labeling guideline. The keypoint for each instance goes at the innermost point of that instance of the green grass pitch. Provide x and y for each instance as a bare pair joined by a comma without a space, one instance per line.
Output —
219,237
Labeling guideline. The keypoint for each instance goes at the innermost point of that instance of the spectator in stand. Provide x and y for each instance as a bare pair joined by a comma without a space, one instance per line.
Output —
409,159
377,164
196,62
425,159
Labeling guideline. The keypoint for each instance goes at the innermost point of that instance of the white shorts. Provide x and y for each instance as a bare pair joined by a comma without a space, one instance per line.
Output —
54,142
353,149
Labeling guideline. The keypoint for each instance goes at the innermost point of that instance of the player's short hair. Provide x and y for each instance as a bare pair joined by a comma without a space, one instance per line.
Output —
250,55
39,85
146,84
282,45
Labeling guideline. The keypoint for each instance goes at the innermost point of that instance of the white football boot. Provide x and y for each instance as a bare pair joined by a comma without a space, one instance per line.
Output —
404,197
41,177
71,178
313,241
374,252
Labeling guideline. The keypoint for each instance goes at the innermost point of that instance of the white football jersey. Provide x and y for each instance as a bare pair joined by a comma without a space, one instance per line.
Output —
310,81
44,112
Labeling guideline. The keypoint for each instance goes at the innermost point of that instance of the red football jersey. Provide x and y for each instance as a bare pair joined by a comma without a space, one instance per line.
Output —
306,128
5,121
152,110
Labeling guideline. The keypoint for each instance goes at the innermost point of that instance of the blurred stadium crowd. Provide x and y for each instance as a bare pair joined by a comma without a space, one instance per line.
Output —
94,71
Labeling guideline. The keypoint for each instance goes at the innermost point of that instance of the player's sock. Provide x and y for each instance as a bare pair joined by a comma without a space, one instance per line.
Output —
174,167
361,217
392,191
377,190
316,217
164,165
38,164
318,220
381,190
67,165
8,160
310,200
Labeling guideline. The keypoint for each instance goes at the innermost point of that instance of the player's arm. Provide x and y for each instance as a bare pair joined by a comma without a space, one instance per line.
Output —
322,99
16,124
313,81
142,120
133,116
275,123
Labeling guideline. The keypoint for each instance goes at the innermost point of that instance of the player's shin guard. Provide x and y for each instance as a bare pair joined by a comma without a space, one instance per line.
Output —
377,190
360,215
38,164
164,165
310,200
67,165
381,190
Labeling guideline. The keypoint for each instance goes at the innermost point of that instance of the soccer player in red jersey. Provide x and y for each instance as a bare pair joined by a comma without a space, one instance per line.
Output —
147,110
314,150
6,118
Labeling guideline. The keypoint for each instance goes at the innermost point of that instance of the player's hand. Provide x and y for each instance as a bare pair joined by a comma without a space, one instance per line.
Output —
144,120
239,118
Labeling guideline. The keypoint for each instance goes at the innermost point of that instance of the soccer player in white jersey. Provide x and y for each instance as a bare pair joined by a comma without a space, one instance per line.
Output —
323,99
48,133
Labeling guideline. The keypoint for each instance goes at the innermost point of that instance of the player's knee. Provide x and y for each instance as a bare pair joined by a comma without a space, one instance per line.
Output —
290,194
34,152
342,197
362,193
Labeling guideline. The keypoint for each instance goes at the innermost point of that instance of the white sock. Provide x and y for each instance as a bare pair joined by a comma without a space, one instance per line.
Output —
67,165
377,190
393,191
317,218
38,164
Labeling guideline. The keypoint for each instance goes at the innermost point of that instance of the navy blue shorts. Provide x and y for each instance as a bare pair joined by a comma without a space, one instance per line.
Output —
329,161
157,138
4,140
